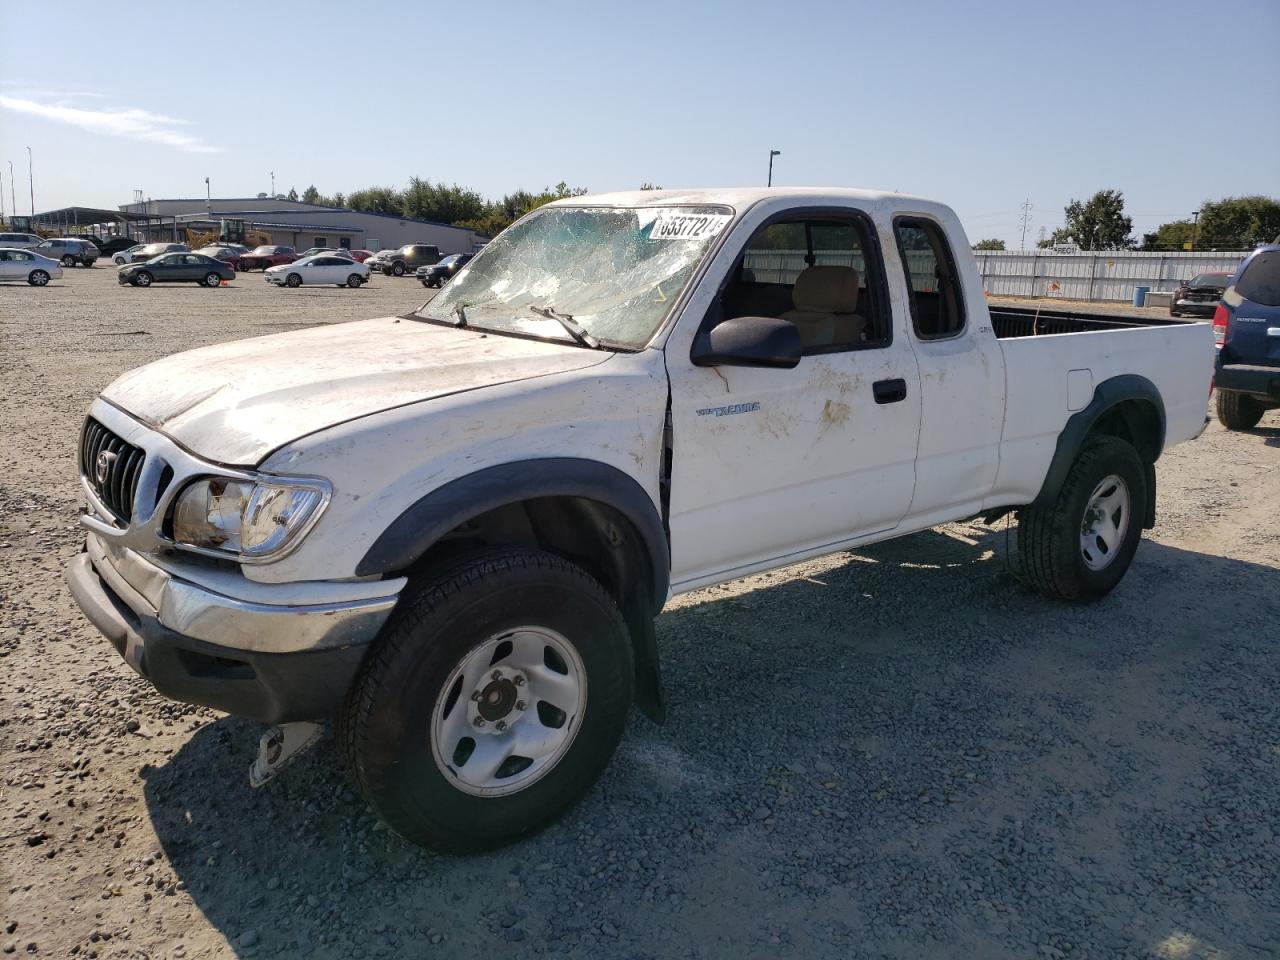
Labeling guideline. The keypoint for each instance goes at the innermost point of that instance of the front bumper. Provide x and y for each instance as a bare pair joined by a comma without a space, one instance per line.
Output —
1260,381
274,662
1203,308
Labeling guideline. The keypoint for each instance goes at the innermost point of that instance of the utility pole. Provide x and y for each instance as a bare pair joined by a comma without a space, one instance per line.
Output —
1195,228
13,204
31,183
273,183
1,199
1026,218
772,154
208,204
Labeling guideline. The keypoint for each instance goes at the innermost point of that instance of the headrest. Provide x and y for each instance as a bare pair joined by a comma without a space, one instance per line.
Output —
826,290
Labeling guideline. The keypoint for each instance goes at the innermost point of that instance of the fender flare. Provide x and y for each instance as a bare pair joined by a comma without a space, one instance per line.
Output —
1106,395
424,522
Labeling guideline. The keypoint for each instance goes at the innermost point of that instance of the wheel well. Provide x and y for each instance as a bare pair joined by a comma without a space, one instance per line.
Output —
1137,422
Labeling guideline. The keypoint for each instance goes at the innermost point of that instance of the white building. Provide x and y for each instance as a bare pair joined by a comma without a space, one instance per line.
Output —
292,223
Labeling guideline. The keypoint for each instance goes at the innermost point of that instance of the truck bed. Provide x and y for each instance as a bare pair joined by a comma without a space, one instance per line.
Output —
1011,322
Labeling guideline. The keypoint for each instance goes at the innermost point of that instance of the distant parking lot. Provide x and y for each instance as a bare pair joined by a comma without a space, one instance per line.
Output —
895,752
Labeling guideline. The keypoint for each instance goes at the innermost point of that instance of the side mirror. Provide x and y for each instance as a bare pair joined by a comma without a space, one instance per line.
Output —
749,342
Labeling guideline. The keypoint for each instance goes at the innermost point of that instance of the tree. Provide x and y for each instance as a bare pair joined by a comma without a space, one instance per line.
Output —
1169,236
1098,223
1238,223
650,186
293,194
377,200
438,202
311,194
989,245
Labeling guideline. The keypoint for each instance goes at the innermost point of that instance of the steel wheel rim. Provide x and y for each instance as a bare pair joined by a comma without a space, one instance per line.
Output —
39,278
1106,520
508,712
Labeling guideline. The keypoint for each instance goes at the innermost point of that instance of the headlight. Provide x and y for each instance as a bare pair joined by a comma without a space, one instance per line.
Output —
251,520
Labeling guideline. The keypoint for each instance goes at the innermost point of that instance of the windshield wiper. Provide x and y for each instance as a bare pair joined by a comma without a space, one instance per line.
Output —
571,326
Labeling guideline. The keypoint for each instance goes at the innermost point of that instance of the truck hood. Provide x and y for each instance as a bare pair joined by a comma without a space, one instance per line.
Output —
235,403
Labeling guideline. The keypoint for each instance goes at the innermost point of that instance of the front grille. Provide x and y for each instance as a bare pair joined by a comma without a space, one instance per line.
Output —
121,467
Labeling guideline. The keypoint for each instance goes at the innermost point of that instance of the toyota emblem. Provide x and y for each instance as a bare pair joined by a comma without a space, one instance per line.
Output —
103,465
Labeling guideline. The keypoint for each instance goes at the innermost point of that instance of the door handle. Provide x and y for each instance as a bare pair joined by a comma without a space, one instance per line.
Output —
889,391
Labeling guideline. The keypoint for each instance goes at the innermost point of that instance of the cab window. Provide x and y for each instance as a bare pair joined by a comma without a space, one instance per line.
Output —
933,284
820,270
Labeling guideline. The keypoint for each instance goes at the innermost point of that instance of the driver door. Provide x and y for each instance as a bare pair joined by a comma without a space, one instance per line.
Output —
771,463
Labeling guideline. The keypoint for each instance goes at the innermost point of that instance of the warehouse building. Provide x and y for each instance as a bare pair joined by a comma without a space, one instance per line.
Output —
291,223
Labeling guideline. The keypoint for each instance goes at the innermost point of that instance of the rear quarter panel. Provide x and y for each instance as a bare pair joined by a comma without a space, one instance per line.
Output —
1051,377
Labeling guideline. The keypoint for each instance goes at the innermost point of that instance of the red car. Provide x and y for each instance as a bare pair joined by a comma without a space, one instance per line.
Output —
360,256
264,257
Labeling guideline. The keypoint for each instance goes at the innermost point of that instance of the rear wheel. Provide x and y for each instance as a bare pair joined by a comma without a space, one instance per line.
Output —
213,279
495,696
68,261
143,279
1238,411
37,278
293,280
1079,547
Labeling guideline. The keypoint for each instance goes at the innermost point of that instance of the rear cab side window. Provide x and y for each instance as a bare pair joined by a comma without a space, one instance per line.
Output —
1260,281
933,282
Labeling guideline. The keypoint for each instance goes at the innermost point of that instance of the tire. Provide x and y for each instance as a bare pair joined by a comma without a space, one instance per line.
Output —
293,280
143,279
397,269
1238,411
1056,556
393,729
213,279
354,281
89,263
68,261
38,278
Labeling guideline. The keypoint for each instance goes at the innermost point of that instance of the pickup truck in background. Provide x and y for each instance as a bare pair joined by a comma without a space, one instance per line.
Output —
452,530
1246,328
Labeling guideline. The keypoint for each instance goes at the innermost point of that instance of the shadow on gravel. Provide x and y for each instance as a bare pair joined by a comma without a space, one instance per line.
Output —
905,753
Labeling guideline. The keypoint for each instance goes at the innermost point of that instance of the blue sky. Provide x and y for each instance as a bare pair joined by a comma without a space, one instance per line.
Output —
980,105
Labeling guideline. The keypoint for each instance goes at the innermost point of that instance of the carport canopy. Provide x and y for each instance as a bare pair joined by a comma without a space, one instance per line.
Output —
70,218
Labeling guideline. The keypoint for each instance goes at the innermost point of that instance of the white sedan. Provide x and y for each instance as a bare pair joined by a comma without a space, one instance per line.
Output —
121,257
26,265
321,269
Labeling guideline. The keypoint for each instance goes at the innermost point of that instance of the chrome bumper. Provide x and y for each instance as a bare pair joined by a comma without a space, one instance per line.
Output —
204,614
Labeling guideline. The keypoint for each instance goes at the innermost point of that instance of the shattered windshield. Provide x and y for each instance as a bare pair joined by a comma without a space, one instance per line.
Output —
613,272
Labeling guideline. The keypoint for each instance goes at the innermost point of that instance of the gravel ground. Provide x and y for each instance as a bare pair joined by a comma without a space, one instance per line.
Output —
897,752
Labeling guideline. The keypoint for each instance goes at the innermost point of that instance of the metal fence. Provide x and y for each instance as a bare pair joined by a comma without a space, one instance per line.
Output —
1093,276
1027,273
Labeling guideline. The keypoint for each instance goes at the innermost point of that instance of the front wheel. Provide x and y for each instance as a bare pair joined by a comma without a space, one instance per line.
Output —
397,269
1079,547
496,694
1238,411
354,281
68,261
213,280
293,280
37,278
142,280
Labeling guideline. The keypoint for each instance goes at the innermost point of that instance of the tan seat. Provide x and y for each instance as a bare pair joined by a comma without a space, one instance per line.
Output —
825,300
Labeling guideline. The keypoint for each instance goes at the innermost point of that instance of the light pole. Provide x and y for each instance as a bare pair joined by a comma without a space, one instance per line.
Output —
208,203
13,203
772,154
31,183
1195,228
273,183
2,199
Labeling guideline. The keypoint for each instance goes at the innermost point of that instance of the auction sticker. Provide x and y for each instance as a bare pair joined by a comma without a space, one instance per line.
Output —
688,226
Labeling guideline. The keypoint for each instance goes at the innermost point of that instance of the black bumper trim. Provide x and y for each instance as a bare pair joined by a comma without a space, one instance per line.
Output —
1259,381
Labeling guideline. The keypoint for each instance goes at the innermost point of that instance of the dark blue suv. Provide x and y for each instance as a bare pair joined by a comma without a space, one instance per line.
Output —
1246,327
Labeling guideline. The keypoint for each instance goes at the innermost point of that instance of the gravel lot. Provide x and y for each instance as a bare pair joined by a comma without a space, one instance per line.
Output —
893,753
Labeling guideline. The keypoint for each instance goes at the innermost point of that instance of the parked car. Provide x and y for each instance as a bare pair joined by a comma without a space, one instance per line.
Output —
121,257
177,268
441,273
379,259
409,258
267,256
227,254
360,255
114,245
335,251
150,251
1199,296
69,251
453,530
328,268
19,241
23,264
1246,326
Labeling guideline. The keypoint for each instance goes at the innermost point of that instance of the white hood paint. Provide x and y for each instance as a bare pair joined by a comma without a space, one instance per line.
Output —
236,402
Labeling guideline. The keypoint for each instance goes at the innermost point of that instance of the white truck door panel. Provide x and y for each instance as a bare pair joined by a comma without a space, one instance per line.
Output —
771,462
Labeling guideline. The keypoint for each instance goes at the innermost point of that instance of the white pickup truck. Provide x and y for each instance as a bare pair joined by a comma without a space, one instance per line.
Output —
452,530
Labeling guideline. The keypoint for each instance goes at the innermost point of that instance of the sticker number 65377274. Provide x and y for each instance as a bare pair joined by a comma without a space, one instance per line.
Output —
687,226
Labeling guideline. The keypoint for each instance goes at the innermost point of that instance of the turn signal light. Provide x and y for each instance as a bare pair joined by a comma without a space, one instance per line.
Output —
1220,325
